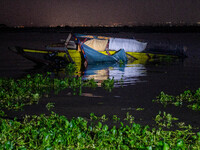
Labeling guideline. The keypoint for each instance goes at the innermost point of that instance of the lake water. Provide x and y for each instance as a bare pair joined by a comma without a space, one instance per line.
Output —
185,72
125,74
143,81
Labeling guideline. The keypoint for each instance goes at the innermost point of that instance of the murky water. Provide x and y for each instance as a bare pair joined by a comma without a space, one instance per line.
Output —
188,70
142,81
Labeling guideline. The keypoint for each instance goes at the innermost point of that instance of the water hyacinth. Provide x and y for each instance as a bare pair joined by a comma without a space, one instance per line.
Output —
15,94
191,99
108,84
57,132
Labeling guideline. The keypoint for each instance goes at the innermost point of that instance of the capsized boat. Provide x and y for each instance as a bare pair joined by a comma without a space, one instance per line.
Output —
134,49
80,48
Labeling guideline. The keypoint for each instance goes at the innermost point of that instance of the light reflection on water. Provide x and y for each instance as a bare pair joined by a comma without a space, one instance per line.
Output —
130,73
127,73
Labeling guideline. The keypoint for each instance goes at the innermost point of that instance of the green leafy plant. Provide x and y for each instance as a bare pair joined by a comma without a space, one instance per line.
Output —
93,116
57,132
139,109
70,69
192,99
103,118
49,106
129,118
164,99
115,118
90,83
121,81
108,84
164,120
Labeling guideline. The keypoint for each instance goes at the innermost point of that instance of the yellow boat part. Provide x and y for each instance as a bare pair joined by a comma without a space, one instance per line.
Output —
75,55
134,57
36,51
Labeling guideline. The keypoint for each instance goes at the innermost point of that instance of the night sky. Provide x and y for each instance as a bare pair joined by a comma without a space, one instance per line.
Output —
98,12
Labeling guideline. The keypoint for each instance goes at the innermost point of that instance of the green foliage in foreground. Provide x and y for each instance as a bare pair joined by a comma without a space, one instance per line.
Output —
191,99
57,132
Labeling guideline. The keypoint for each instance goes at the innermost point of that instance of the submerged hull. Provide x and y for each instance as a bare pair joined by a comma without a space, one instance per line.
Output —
48,56
53,56
93,56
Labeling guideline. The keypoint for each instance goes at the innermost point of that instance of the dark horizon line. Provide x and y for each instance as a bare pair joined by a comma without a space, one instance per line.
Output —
90,26
81,29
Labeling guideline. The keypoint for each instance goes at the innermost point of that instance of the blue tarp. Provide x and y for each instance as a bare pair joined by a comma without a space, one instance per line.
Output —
93,56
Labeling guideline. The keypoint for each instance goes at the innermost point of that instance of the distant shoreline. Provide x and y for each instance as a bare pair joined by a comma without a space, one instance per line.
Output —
97,29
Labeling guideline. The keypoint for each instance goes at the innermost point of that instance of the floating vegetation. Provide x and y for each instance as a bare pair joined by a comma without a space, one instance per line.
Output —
91,84
49,106
165,120
108,84
57,132
129,118
70,69
132,108
115,118
191,99
139,109
15,94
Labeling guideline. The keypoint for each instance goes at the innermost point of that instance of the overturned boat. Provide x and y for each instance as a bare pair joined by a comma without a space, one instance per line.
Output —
90,49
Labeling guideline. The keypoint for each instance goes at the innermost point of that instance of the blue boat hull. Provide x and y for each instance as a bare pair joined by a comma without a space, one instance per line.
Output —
92,56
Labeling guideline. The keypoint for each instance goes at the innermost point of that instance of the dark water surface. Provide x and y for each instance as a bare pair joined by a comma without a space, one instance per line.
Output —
142,81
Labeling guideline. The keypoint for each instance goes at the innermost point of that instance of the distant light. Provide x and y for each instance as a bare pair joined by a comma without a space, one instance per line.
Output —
19,27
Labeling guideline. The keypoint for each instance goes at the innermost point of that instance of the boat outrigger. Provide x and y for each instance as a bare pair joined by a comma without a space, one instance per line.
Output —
90,49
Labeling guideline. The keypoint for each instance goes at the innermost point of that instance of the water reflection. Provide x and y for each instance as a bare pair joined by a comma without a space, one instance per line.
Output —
128,73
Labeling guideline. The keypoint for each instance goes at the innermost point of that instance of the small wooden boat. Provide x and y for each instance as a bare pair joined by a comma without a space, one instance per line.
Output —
81,48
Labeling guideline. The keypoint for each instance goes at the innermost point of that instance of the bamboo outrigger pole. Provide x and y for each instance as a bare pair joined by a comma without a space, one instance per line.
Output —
66,51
